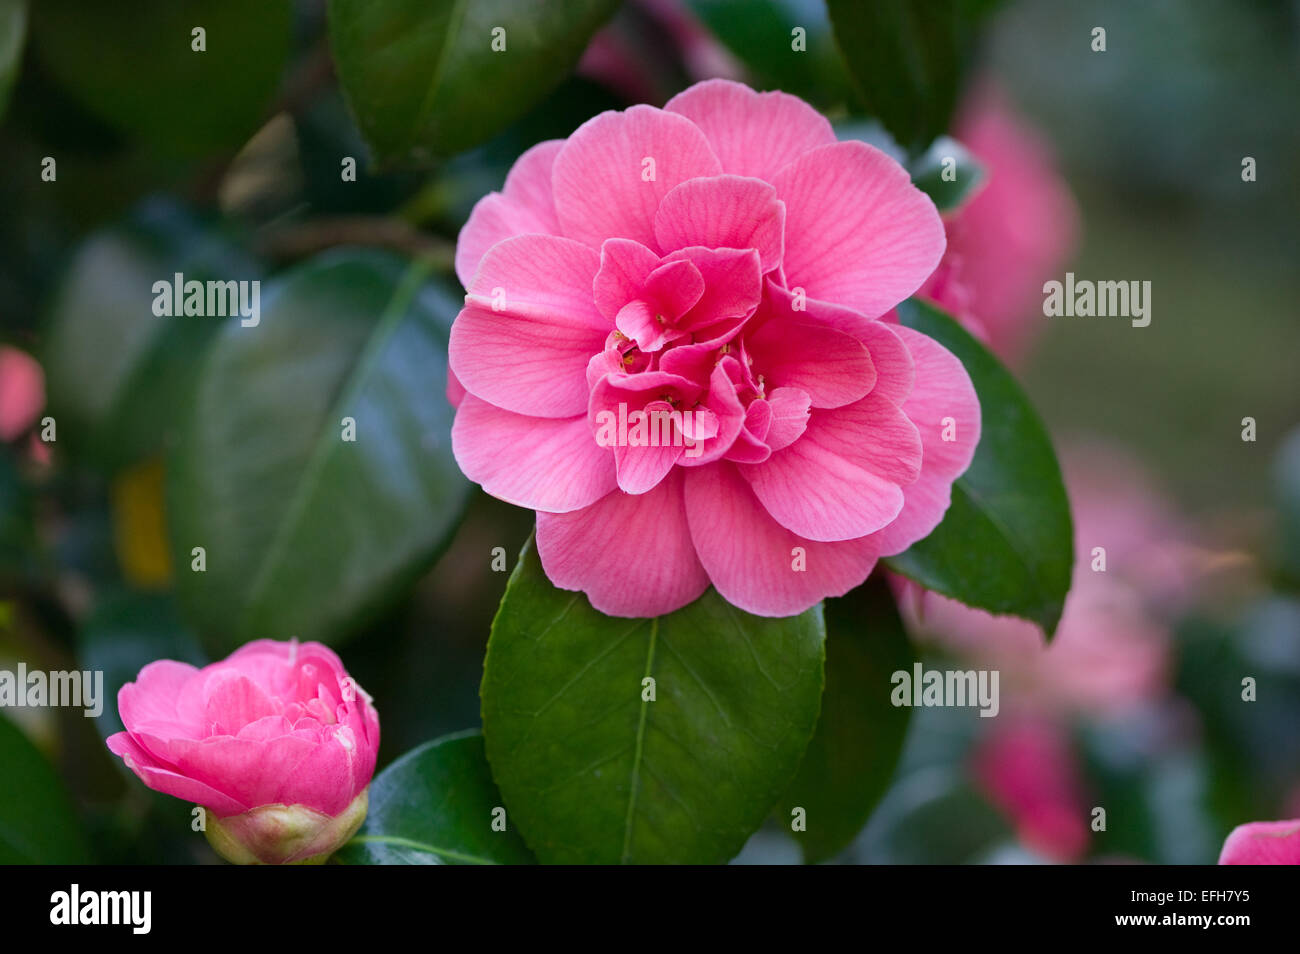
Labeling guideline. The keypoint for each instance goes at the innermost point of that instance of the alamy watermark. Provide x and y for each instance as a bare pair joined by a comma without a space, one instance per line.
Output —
36,689
1088,299
947,688
212,299
130,908
656,427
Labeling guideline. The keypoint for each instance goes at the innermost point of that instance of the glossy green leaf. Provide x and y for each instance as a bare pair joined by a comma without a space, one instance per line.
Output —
13,32
762,34
1006,544
422,77
948,173
593,771
37,821
436,805
141,73
852,756
305,532
125,633
908,59
138,70
116,373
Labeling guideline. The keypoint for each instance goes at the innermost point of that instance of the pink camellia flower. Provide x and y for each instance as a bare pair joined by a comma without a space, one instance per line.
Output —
1014,234
1263,843
277,742
727,257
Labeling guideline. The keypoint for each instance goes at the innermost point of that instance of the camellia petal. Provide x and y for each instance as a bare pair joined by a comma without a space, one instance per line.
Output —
753,134
857,232
523,206
844,477
613,172
757,564
529,327
946,411
168,781
592,550
541,463
1263,843
833,368
723,212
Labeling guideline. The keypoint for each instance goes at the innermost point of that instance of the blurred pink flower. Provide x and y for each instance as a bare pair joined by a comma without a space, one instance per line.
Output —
614,59
277,742
1263,843
1027,767
1111,649
22,392
1011,236
728,257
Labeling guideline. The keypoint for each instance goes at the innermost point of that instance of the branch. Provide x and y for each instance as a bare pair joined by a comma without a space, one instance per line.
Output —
293,242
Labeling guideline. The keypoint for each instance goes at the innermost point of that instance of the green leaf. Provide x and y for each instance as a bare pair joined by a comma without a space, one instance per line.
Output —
305,532
853,754
137,70
435,806
761,34
594,772
422,77
908,59
1006,544
125,633
928,173
13,31
116,373
37,822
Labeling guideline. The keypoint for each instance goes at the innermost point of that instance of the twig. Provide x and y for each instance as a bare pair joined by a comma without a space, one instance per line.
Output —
300,240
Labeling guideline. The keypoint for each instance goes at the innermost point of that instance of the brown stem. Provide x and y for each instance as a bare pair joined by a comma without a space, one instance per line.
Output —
292,242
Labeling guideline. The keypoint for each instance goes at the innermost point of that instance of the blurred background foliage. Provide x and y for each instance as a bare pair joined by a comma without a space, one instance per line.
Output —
174,432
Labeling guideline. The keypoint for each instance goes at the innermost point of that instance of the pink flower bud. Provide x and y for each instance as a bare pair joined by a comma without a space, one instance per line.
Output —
276,742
